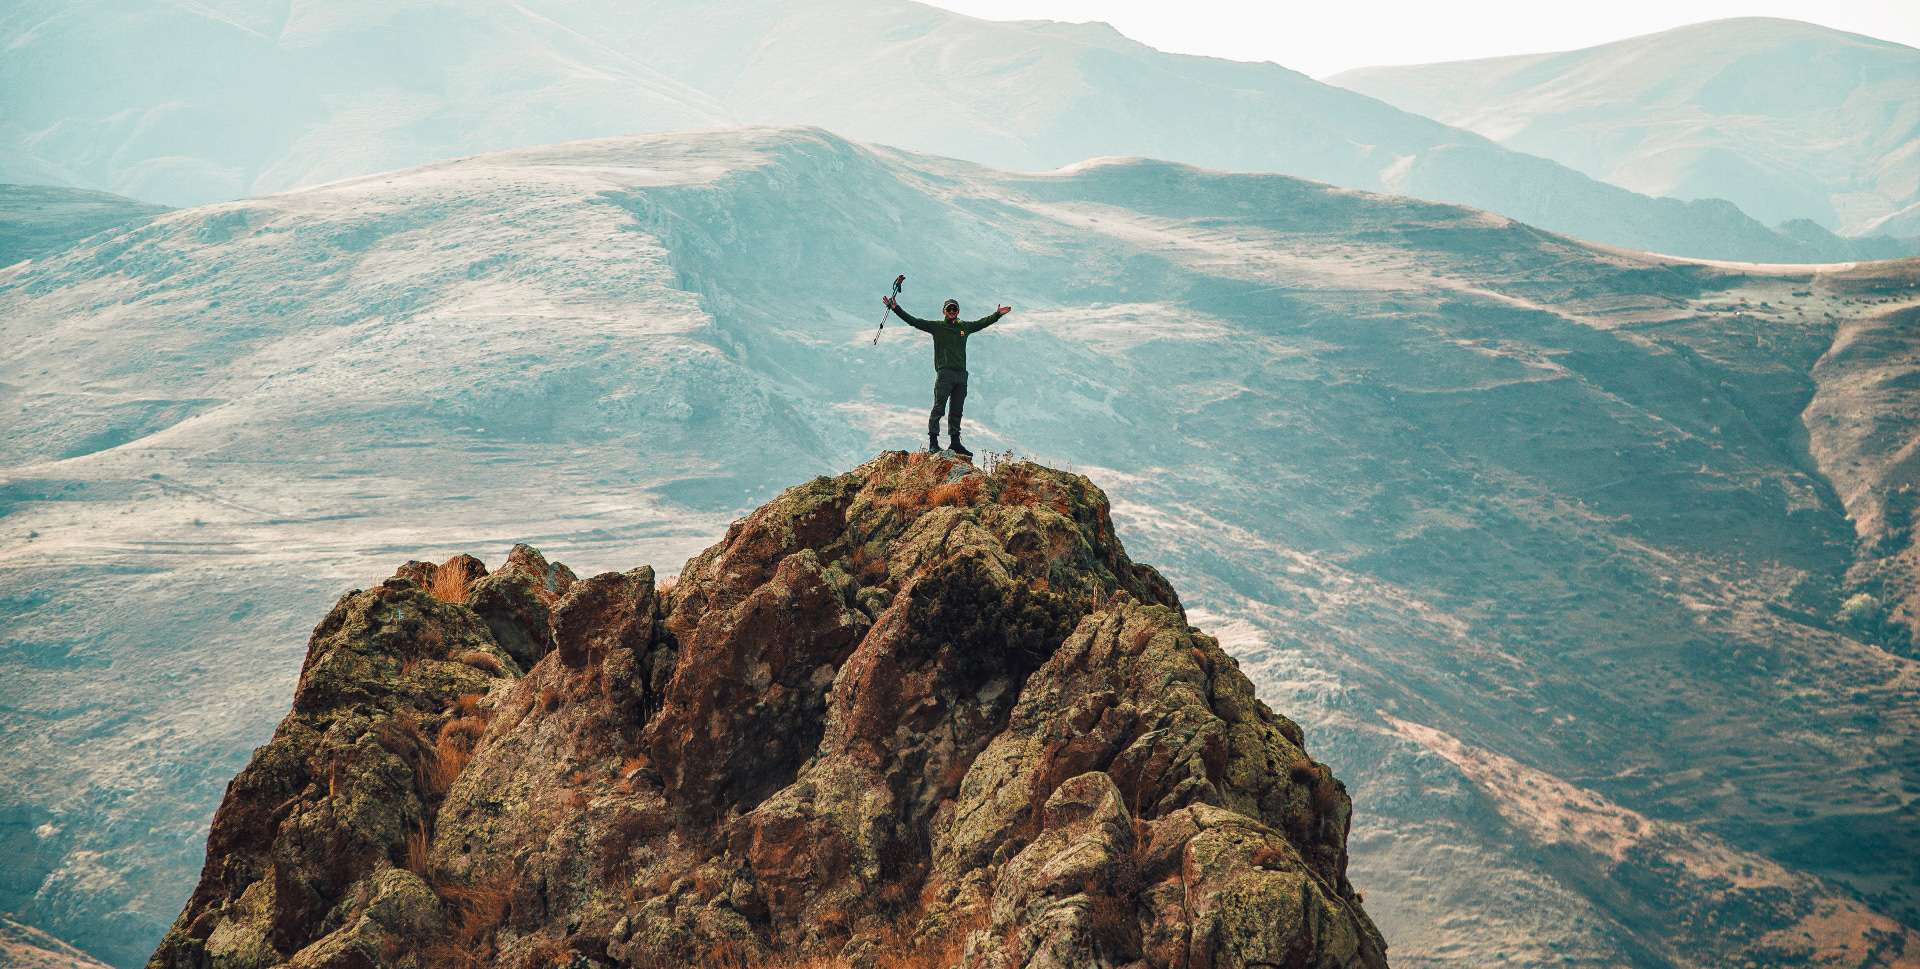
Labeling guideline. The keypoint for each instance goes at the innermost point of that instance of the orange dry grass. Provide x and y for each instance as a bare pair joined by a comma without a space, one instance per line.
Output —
483,661
906,499
444,767
870,567
451,752
1323,792
448,585
1326,793
965,491
1020,485
477,911
417,844
928,488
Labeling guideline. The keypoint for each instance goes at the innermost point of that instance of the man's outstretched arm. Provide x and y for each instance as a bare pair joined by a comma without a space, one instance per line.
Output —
987,320
912,320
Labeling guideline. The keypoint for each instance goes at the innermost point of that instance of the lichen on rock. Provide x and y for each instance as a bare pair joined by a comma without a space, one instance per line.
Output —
915,711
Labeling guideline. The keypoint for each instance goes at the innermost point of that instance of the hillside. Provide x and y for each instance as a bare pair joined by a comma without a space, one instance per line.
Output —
38,219
1788,120
213,100
910,715
1549,547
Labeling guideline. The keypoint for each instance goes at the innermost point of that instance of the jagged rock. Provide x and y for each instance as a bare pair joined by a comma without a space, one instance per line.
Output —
458,572
915,709
515,602
303,846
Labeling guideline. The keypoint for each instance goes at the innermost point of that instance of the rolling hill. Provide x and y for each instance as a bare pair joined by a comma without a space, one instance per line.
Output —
1556,550
36,219
1788,120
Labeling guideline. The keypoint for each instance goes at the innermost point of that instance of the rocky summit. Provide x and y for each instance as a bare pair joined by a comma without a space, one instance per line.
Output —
918,714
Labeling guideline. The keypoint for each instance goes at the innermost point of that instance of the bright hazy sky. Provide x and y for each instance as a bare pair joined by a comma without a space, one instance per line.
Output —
1328,36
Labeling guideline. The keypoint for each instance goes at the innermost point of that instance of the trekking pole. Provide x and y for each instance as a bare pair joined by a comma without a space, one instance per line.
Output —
898,281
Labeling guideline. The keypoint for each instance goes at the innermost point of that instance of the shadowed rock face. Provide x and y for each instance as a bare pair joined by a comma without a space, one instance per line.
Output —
917,711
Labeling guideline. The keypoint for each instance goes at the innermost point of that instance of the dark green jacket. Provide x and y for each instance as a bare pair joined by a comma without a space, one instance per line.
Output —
949,339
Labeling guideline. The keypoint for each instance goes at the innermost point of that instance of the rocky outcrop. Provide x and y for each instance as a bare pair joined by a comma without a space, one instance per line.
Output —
915,714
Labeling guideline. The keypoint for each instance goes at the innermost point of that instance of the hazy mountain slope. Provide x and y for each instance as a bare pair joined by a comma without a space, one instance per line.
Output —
27,948
186,102
1788,120
1529,532
1867,409
36,219
194,102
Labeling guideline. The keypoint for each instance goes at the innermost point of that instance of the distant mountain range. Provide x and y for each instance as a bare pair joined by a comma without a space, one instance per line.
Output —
189,102
1788,120
1590,572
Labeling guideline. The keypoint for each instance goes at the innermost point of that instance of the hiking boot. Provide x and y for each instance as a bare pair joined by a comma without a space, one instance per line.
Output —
933,444
957,448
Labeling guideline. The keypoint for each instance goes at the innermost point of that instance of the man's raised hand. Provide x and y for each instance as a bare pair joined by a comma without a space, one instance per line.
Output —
888,301
1004,310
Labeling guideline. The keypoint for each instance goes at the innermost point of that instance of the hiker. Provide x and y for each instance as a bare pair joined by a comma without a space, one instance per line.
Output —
949,365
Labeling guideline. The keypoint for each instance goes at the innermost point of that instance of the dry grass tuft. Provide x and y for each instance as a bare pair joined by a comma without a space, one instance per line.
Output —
464,730
965,491
451,753
477,913
1323,792
418,841
1302,770
870,567
907,499
448,585
483,661
1021,484
467,705
1326,793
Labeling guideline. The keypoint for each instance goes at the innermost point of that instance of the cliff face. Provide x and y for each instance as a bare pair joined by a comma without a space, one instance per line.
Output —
916,714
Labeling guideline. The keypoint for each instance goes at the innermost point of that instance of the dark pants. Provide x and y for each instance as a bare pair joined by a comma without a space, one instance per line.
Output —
947,385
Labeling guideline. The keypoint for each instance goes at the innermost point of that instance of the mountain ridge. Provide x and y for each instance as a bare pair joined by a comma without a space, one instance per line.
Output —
325,97
1788,119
